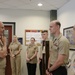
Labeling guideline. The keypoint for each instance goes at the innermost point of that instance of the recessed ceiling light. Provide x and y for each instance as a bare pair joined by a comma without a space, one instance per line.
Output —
40,4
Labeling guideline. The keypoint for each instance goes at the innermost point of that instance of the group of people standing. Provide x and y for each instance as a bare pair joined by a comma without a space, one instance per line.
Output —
58,53
15,56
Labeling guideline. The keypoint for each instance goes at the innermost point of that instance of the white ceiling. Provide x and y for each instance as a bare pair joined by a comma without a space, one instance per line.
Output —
32,4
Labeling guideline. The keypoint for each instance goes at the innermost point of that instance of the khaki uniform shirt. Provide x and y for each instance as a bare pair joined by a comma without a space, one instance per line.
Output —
42,50
31,49
2,60
15,46
60,46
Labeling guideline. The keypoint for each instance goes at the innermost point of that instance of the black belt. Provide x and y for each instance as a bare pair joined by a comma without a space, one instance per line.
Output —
60,66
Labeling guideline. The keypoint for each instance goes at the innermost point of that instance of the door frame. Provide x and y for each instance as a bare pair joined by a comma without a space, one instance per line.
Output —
13,24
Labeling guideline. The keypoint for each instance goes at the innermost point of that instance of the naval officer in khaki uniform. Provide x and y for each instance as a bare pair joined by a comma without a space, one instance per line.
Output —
3,50
59,52
15,56
42,57
31,57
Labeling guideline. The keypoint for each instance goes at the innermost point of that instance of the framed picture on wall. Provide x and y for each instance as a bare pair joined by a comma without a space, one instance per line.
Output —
33,33
69,33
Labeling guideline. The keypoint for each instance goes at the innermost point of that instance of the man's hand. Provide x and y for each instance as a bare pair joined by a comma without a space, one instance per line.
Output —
3,54
47,73
4,40
3,51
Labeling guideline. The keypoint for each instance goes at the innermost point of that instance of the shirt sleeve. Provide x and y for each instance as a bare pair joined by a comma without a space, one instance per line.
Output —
20,46
64,47
36,49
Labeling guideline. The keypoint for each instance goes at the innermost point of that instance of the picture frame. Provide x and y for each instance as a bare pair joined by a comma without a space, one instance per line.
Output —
20,39
69,34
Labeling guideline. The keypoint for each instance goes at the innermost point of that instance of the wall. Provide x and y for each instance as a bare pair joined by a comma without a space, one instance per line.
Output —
66,15
26,19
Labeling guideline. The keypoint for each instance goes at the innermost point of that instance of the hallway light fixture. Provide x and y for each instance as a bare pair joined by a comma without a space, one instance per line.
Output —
40,4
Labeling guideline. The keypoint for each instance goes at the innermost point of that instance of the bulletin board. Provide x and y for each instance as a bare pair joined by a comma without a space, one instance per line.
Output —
33,33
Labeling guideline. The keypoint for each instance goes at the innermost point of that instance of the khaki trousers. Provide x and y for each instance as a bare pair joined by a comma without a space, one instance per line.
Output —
2,66
16,65
2,71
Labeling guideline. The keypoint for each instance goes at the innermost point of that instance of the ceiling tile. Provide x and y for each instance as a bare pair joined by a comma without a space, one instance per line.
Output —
3,0
4,6
32,4
13,3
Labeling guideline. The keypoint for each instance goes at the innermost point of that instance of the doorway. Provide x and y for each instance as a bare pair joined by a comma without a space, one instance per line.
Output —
8,33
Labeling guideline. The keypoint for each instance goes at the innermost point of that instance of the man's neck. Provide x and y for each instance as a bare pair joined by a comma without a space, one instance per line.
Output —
57,34
45,39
